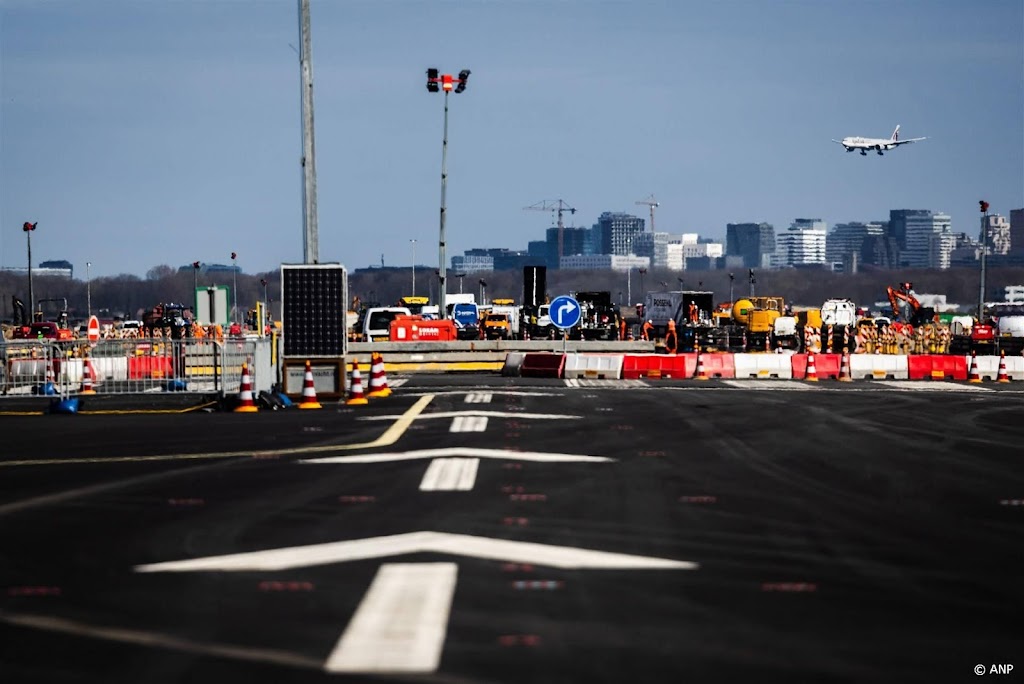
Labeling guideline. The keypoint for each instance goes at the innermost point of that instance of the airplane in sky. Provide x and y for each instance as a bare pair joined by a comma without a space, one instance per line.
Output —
877,144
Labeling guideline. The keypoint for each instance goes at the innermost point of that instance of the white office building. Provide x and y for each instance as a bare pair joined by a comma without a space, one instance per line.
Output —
802,244
929,240
472,263
654,246
675,261
604,262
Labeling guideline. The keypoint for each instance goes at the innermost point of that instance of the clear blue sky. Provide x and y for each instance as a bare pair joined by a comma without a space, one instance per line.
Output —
163,131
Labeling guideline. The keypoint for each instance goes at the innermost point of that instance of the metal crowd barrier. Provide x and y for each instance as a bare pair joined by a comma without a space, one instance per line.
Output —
32,368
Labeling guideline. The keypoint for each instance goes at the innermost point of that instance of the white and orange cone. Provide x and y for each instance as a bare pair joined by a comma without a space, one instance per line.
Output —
309,400
812,372
87,380
701,373
844,368
378,381
355,395
245,402
1003,375
973,375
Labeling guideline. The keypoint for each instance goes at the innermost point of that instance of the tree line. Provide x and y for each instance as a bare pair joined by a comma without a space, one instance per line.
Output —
127,296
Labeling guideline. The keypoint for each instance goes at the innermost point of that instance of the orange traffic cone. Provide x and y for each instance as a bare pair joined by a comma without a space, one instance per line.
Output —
701,373
355,395
1003,375
87,387
245,402
309,400
378,381
844,369
812,372
973,375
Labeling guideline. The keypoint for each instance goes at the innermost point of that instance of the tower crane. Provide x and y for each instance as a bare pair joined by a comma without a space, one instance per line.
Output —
557,206
649,201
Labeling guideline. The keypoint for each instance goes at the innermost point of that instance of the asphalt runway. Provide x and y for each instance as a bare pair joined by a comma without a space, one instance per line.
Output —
487,529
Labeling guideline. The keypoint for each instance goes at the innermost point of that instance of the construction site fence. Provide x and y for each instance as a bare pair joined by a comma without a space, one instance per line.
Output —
32,368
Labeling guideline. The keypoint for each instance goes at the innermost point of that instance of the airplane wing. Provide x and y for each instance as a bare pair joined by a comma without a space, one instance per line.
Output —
904,142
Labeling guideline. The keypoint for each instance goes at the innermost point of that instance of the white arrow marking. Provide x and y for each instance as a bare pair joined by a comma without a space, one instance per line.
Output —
401,622
478,398
450,475
568,306
468,424
485,548
490,414
468,452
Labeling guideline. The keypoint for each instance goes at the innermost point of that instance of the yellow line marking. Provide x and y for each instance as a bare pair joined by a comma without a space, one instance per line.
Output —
389,437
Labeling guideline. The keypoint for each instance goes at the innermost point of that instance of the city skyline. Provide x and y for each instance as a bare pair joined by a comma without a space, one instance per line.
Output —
146,133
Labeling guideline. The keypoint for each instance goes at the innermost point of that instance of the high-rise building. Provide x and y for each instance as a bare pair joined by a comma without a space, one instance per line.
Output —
617,231
846,242
755,242
653,245
574,241
997,234
880,251
802,244
928,239
1017,231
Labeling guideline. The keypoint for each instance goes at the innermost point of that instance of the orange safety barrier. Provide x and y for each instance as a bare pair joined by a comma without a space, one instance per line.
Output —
542,365
827,366
635,366
140,367
722,365
936,367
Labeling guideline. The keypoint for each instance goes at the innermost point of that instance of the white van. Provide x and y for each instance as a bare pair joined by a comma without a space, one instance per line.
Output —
376,325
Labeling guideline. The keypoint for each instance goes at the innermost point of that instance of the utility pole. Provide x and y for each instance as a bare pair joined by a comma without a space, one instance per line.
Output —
28,228
88,289
983,207
437,82
310,231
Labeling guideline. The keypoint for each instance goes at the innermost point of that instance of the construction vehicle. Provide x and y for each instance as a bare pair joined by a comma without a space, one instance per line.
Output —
497,326
509,308
753,324
414,304
695,325
53,327
906,309
599,318
839,316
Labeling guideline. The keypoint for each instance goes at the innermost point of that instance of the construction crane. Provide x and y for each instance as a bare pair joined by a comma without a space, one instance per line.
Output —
558,206
652,204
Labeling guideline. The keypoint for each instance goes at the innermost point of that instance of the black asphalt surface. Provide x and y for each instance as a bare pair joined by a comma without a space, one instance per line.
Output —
851,532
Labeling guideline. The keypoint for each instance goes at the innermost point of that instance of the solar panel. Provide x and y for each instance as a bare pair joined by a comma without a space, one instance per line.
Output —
313,298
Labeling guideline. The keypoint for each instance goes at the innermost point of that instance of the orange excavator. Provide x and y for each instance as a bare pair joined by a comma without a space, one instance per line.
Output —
906,309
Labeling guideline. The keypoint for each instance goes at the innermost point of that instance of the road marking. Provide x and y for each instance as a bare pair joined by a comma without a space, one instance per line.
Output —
465,390
397,383
484,548
401,622
389,437
468,452
478,398
927,386
769,384
607,384
468,424
450,475
489,414
157,640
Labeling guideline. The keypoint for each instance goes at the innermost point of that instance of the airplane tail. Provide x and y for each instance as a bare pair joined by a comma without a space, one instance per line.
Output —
896,133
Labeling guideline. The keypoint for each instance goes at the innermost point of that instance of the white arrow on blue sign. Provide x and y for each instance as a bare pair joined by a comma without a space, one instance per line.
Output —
565,312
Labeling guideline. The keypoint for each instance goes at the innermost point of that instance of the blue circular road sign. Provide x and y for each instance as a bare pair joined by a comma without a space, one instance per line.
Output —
565,312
